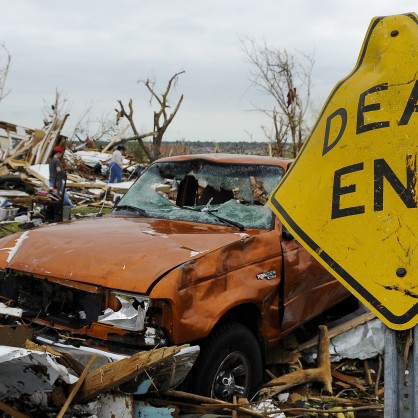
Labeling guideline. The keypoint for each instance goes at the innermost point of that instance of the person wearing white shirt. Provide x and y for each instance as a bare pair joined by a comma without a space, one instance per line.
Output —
115,165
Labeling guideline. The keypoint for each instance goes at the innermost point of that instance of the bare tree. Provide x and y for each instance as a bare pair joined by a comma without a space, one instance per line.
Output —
162,118
121,113
286,78
88,130
55,111
5,60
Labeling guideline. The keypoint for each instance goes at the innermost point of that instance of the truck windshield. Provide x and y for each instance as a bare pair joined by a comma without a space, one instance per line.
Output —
238,192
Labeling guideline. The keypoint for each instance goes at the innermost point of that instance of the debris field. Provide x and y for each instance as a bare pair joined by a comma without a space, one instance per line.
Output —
336,372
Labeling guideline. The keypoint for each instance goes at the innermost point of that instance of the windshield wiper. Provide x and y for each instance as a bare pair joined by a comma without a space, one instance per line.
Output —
206,209
240,226
131,208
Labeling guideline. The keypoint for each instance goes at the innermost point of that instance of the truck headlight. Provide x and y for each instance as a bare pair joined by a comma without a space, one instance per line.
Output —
131,312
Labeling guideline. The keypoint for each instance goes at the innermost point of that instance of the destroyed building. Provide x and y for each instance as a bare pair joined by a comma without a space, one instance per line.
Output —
24,170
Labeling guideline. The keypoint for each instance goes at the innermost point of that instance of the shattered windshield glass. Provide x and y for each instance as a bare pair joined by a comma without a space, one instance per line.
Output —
206,192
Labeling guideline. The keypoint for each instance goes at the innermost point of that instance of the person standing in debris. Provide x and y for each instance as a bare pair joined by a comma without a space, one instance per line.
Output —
115,165
57,175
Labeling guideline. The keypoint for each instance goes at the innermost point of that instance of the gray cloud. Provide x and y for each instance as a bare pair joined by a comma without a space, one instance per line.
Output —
95,51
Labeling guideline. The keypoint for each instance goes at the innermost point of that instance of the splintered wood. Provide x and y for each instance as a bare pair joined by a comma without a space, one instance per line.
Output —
321,374
138,369
31,156
114,374
37,147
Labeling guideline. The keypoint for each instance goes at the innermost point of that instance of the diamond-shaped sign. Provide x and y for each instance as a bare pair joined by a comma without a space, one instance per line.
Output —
351,196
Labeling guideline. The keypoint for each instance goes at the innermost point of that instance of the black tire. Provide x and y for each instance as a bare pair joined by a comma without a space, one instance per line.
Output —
229,364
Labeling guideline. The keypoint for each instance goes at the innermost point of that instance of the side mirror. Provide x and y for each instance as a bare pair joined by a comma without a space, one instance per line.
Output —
287,236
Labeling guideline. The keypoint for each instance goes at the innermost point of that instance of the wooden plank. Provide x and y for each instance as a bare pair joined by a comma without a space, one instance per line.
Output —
30,158
13,193
353,381
15,164
116,137
86,185
77,386
40,149
11,411
107,204
23,147
333,332
37,175
75,177
48,151
114,374
210,403
4,171
15,336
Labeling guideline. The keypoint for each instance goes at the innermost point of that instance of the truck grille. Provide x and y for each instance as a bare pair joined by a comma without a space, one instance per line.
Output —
53,302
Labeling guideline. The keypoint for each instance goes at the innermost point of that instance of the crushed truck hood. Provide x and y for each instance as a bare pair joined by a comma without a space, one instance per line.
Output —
125,253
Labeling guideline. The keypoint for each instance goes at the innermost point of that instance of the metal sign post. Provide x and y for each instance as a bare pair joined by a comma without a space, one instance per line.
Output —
351,196
401,378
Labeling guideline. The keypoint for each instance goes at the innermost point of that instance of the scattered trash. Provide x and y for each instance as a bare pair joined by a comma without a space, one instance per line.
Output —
4,202
8,214
24,170
60,378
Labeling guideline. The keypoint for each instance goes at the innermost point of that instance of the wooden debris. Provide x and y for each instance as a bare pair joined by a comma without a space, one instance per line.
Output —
337,410
353,381
30,345
378,392
11,411
185,407
114,374
367,373
321,374
77,386
333,332
134,368
86,185
210,403
32,154
285,353
15,336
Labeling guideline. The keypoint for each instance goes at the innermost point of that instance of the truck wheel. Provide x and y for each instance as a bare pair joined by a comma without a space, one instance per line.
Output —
229,364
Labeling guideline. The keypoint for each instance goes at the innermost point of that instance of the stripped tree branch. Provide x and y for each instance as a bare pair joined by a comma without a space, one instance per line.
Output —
5,60
161,119
286,79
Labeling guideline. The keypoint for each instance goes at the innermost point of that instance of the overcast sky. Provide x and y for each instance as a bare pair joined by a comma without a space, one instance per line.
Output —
95,51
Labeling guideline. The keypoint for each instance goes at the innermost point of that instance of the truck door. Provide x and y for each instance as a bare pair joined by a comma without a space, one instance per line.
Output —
308,289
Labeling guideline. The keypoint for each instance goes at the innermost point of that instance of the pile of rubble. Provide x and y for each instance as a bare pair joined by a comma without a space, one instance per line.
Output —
43,378
24,169
335,372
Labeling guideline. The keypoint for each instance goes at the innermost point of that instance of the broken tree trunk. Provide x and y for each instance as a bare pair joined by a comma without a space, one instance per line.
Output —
321,374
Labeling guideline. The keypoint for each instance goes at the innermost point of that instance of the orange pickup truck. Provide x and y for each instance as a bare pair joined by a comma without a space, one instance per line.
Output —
192,253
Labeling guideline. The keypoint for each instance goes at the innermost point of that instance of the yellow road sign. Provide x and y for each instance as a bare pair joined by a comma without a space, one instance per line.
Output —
351,195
